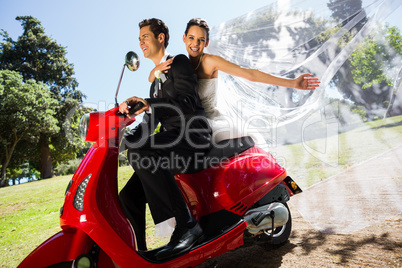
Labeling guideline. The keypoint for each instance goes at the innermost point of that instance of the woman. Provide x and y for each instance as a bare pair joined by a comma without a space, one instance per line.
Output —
196,38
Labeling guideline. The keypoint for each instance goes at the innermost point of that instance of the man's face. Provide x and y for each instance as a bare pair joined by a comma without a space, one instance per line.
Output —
149,45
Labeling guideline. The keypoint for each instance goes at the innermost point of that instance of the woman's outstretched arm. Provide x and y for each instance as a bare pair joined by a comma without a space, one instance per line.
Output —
217,63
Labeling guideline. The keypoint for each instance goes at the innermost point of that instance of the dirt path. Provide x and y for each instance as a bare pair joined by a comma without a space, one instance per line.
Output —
375,246
371,190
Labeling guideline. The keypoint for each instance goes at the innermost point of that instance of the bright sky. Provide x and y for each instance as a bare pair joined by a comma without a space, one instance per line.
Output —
98,34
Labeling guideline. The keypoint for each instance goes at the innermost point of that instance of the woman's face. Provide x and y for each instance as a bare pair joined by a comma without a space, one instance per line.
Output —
196,41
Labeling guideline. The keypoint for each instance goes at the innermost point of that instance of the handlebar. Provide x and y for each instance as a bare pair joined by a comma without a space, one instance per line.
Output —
135,108
132,110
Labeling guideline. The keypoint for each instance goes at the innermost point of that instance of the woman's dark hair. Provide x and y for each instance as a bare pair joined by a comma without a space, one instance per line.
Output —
198,22
157,27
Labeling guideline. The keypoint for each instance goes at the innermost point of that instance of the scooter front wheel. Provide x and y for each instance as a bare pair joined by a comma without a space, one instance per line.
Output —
67,264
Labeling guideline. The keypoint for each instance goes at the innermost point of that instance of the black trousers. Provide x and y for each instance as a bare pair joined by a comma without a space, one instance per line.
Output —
155,162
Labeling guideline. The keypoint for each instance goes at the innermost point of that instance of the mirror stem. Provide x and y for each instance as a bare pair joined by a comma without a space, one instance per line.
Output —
118,86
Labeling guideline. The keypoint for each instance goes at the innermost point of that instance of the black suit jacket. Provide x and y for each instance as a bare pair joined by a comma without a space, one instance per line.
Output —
177,106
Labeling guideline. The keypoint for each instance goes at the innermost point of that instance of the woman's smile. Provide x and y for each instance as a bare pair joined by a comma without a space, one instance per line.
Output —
196,41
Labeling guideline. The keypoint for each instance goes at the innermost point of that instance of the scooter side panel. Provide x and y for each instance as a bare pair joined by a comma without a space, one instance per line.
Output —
61,247
101,218
197,189
243,178
107,199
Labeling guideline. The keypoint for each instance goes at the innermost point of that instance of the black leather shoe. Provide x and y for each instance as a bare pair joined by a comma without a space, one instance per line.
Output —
181,241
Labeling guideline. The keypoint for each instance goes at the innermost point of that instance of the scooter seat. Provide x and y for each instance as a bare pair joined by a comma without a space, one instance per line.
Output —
221,151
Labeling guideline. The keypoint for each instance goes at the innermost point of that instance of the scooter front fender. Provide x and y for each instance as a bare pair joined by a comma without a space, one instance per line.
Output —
65,246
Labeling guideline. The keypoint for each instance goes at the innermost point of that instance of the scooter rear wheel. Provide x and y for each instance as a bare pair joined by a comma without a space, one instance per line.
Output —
280,234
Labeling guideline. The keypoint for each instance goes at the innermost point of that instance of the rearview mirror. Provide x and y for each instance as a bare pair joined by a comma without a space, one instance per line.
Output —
132,61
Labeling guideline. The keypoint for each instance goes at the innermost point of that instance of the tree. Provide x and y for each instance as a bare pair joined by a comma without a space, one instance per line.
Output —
36,56
376,63
367,77
375,58
346,9
25,113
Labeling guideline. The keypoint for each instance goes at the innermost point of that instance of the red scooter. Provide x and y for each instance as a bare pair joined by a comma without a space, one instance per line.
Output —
238,194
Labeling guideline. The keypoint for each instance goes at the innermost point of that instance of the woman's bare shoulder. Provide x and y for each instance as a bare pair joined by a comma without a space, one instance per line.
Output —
211,57
212,61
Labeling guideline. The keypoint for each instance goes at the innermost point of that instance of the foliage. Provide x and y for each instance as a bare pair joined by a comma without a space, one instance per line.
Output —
67,167
25,112
374,57
123,160
340,7
37,56
366,78
24,171
361,111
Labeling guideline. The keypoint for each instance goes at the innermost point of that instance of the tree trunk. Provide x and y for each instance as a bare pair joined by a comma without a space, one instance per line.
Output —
9,153
46,168
3,181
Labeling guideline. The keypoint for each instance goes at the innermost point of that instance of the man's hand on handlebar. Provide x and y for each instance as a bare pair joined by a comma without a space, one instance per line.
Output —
131,107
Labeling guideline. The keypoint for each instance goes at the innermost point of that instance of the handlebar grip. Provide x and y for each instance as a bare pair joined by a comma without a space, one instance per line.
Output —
136,107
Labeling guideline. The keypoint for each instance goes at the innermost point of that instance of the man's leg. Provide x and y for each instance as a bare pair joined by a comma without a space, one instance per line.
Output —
132,199
165,200
162,193
155,169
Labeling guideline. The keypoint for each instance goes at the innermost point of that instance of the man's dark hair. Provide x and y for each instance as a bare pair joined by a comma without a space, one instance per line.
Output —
200,23
157,26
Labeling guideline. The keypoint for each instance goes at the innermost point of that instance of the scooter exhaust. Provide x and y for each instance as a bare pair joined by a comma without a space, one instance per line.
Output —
260,219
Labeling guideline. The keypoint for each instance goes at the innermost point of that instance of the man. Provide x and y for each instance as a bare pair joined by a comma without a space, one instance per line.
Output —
155,158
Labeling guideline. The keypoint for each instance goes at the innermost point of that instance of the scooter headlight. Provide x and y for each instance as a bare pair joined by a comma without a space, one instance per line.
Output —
83,126
78,202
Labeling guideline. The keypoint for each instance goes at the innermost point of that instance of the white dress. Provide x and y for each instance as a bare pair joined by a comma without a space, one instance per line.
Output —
223,126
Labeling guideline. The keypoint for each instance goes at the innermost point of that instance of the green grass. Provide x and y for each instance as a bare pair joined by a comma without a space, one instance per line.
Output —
29,213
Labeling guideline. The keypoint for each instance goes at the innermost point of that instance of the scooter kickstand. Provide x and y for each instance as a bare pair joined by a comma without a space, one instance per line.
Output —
272,216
